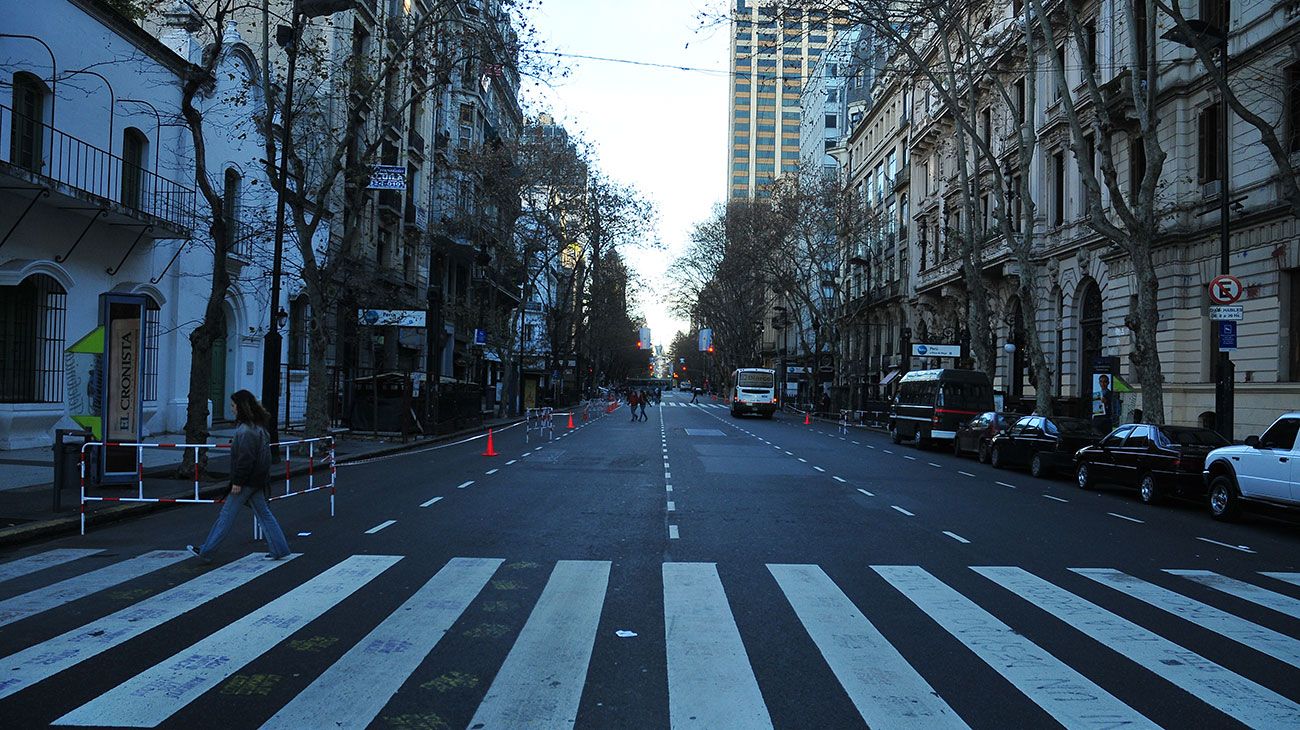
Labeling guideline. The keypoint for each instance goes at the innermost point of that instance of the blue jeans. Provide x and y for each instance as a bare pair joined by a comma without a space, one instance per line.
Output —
229,511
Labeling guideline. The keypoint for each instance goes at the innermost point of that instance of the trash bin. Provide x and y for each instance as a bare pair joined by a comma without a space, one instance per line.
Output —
67,461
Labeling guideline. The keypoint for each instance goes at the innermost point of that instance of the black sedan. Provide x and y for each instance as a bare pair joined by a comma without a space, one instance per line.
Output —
1156,460
974,435
1043,443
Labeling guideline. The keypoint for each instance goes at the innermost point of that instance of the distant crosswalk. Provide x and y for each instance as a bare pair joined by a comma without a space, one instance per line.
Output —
723,406
711,679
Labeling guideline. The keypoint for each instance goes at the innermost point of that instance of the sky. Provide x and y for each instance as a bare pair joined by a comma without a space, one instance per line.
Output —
661,130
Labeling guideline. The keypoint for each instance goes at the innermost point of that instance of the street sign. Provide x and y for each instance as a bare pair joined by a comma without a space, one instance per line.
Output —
926,350
391,317
387,177
480,338
706,339
1221,312
1225,289
1227,335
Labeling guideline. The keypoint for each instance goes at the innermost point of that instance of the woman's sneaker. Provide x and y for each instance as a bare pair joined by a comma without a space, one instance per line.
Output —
195,552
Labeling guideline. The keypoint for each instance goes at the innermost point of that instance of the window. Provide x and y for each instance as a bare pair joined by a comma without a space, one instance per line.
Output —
1058,188
832,121
1090,45
133,159
27,134
1292,323
32,318
986,125
1211,11
742,139
1207,140
231,205
149,363
1292,132
466,130
740,167
298,315
742,126
1056,78
1116,437
1280,435
1020,100
1139,438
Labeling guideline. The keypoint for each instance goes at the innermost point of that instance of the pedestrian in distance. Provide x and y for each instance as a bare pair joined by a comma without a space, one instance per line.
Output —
695,395
631,403
645,396
250,478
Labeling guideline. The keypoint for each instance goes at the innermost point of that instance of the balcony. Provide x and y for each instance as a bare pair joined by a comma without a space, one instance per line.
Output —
81,175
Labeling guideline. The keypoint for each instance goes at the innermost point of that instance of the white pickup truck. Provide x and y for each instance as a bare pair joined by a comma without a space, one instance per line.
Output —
1265,469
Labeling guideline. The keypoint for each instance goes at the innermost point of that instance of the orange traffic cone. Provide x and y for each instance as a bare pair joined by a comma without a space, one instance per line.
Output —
570,419
490,451
806,420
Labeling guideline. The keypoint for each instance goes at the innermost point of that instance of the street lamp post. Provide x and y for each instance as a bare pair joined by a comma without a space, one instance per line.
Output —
1224,385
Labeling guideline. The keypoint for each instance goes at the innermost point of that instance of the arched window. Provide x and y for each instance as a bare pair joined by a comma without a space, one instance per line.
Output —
134,145
232,204
1090,331
149,366
298,315
27,126
32,318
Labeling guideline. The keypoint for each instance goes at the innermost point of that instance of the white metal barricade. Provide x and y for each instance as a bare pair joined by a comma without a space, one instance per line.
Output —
539,419
323,445
844,421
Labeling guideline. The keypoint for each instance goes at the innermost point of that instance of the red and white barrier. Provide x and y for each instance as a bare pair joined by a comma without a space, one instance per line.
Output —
320,445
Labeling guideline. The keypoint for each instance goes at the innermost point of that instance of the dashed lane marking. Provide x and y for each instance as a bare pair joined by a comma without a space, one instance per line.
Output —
900,509
841,481
380,526
672,532
1239,548
965,474
818,468
869,494
466,484
430,502
1004,484
1058,499
957,537
1123,517
490,472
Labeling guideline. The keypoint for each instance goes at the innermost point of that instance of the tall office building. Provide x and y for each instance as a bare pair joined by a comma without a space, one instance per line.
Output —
773,51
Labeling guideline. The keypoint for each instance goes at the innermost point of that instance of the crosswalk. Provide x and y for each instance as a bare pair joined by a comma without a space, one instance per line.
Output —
723,406
709,672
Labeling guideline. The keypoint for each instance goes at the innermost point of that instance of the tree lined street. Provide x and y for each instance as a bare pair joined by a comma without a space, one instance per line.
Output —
770,573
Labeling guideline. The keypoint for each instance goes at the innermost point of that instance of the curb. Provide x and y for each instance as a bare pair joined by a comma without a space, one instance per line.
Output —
28,532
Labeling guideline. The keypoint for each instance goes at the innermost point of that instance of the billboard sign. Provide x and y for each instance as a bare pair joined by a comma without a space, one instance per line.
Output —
926,350
387,177
122,406
391,317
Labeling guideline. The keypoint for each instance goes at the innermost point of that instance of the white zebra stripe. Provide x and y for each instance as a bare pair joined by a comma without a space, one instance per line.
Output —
540,684
1063,693
710,681
41,561
1267,641
353,691
1243,590
48,658
886,690
149,698
1214,685
53,596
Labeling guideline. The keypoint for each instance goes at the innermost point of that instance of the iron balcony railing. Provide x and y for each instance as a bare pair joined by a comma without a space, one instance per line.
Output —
47,152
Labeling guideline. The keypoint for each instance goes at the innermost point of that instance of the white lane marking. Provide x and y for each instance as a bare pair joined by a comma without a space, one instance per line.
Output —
935,465
884,688
44,660
841,481
431,502
466,484
1266,641
490,472
668,475
855,443
508,463
65,591
1062,692
909,458
957,537
1058,499
1239,548
965,473
526,454
1243,590
1004,484
869,494
710,680
380,526
672,506
672,532
1230,693
149,698
353,691
540,683
788,453
41,561
818,468
1124,517
900,509
668,487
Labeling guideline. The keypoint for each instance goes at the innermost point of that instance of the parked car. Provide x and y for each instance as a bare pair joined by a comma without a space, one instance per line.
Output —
931,404
974,435
1045,444
1265,470
1157,460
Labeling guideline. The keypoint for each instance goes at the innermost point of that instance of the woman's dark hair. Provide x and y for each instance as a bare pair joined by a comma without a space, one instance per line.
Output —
248,410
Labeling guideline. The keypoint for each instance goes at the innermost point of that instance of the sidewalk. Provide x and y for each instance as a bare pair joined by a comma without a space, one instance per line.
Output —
27,495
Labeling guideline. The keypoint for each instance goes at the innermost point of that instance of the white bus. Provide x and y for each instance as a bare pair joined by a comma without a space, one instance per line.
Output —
753,390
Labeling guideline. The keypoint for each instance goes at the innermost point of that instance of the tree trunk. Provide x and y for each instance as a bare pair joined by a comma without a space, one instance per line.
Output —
318,382
1144,322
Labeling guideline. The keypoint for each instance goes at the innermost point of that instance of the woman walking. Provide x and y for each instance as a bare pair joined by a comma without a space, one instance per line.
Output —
250,476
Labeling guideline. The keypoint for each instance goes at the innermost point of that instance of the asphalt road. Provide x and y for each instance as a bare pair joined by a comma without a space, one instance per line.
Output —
688,571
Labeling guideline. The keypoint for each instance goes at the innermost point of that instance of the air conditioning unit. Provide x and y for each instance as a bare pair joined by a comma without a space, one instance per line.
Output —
1211,189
